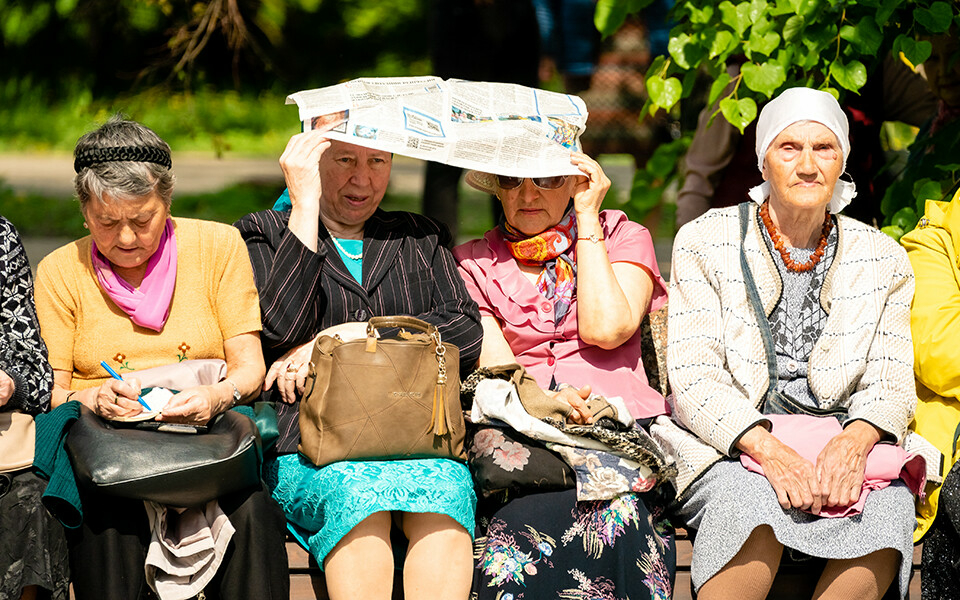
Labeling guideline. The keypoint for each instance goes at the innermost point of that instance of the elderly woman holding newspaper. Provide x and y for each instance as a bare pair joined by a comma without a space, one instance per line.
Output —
562,288
324,266
790,360
147,290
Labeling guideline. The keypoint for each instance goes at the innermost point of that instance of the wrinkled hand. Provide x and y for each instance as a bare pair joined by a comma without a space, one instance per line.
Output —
289,372
577,399
841,463
591,187
116,399
300,163
195,406
793,477
6,388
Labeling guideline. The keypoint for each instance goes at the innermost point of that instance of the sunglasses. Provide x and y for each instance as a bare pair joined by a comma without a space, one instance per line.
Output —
544,183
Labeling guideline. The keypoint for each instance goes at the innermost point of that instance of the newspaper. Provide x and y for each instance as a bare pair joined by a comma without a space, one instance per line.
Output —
499,128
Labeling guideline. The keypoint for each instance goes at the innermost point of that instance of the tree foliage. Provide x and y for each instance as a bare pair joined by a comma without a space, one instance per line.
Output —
831,45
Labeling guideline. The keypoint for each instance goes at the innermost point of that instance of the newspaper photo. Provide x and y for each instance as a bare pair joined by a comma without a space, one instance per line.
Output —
500,128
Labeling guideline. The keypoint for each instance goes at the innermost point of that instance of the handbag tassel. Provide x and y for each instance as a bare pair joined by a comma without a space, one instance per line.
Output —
439,416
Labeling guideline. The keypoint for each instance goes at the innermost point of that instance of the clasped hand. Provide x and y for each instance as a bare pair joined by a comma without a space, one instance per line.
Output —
835,480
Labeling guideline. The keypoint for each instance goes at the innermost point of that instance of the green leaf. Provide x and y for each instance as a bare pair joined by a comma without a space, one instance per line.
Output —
819,36
722,43
656,66
610,15
914,51
685,51
739,113
758,8
763,44
764,78
927,189
65,7
664,92
718,86
936,18
792,28
905,218
893,231
886,10
850,76
866,37
700,16
736,17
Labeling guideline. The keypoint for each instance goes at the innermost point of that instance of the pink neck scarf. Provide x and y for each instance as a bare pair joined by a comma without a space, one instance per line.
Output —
148,306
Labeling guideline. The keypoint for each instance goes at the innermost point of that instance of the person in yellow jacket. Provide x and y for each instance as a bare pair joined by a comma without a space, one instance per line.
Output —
934,252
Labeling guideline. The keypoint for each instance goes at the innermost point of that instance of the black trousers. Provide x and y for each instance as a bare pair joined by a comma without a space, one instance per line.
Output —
941,545
108,551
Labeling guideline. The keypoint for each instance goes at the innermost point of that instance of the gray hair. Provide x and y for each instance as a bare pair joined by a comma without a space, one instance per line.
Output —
123,179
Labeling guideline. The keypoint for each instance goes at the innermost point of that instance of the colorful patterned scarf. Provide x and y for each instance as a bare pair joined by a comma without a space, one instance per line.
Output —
553,250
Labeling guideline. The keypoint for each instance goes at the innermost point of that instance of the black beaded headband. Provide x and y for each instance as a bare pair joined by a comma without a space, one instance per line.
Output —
93,156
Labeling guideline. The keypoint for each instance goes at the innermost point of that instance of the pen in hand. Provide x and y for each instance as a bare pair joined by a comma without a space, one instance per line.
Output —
116,376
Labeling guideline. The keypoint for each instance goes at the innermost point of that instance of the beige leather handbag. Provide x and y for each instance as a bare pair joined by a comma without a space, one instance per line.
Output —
17,440
381,398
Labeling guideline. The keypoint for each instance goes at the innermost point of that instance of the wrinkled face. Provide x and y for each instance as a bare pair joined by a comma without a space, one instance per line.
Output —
531,210
803,165
127,231
354,180
943,68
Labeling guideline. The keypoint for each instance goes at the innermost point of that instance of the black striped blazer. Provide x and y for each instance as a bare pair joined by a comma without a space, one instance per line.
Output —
407,270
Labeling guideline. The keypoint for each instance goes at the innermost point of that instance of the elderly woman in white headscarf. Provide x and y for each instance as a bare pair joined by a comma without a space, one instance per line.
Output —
779,307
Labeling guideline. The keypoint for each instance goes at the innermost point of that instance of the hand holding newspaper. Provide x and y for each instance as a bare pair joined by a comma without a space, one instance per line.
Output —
500,128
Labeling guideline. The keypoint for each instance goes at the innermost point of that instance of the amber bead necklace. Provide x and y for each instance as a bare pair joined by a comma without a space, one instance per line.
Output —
784,254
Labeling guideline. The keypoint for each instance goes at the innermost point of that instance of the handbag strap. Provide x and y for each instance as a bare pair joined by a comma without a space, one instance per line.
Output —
400,321
765,334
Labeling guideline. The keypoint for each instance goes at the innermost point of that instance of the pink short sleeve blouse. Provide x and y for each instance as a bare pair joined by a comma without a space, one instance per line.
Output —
554,353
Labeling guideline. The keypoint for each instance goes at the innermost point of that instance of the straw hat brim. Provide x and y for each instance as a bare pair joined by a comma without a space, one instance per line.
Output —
485,182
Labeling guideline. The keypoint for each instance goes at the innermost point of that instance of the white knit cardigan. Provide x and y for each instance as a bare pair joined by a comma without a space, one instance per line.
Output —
863,360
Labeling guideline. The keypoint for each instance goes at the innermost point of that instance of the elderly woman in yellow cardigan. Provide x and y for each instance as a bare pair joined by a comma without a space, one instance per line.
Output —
934,252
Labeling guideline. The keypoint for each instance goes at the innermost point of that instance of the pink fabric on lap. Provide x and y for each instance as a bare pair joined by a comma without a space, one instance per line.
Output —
808,435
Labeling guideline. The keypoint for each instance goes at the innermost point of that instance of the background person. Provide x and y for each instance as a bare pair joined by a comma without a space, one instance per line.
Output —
33,549
325,266
562,288
836,297
143,290
934,252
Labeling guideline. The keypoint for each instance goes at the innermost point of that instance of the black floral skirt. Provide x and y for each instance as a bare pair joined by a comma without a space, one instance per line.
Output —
548,545
33,548
941,545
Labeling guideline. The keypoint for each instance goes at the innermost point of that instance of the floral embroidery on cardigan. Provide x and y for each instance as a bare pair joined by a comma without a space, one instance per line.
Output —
183,347
121,359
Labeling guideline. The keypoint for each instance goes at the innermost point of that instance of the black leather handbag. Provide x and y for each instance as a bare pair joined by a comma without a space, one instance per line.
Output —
176,469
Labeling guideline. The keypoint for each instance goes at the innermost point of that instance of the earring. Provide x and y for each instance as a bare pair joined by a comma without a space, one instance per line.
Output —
85,225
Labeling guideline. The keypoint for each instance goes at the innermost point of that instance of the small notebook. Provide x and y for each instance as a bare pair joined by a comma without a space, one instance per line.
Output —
156,398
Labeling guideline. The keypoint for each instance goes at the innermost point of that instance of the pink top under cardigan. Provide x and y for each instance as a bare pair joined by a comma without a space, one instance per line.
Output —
555,352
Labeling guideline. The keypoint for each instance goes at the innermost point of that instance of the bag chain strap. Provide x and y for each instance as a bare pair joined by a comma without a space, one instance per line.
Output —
439,416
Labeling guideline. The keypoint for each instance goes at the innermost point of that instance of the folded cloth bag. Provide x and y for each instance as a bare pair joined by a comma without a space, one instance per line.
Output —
186,548
808,435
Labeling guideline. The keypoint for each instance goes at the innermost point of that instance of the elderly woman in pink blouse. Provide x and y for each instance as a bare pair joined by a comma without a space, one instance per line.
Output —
562,287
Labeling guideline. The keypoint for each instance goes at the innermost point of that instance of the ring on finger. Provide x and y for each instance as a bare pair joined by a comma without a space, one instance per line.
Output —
116,398
292,368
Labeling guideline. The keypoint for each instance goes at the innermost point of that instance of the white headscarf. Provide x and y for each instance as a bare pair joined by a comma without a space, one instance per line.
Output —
804,104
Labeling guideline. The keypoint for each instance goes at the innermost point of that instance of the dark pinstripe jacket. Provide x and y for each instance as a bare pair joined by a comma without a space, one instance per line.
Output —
407,270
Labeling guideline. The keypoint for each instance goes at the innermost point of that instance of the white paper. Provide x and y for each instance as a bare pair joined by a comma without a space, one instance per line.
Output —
500,128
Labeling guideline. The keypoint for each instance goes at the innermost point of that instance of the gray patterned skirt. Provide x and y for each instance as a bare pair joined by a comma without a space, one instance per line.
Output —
728,502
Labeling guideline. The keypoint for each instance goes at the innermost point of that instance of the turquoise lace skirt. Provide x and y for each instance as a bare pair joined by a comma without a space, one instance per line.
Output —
323,504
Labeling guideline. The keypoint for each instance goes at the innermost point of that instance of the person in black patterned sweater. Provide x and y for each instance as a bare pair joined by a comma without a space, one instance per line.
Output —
33,549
